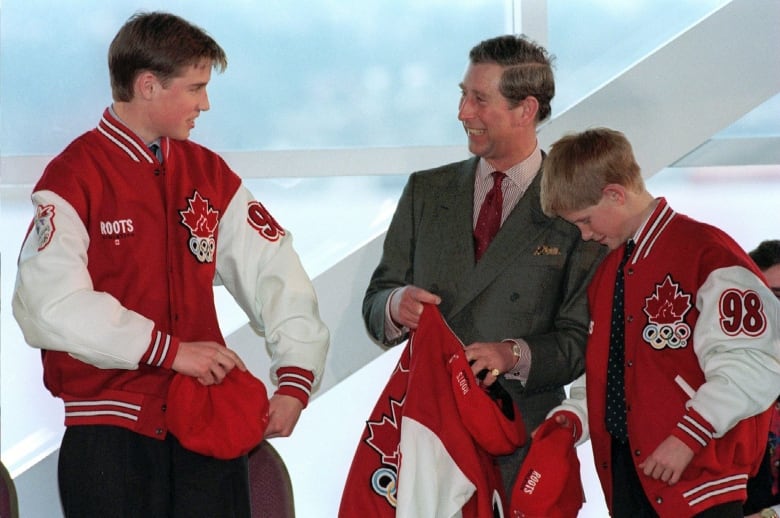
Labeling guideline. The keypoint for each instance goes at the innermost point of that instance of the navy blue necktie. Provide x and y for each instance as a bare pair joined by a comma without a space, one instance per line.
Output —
616,394
155,149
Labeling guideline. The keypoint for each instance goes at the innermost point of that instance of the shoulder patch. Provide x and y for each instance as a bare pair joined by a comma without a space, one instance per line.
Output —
261,220
741,312
44,225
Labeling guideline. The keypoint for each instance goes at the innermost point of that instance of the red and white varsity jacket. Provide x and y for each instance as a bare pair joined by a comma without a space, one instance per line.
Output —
702,360
417,458
119,265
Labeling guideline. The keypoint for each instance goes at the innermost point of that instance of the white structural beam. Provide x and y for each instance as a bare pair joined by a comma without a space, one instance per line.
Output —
678,97
529,17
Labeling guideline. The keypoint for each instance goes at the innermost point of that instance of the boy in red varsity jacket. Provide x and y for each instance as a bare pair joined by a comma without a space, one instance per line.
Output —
133,226
678,385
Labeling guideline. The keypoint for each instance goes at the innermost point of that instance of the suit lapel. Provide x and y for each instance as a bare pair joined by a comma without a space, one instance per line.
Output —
454,207
517,237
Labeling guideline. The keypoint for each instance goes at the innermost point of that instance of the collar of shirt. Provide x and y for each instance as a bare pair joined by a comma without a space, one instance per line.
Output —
520,177
521,174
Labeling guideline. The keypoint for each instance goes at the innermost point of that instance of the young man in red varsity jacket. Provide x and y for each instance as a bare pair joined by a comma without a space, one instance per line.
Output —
698,363
115,285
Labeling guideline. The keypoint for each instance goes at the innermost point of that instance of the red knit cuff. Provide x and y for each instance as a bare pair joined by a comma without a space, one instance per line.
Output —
161,351
295,382
694,431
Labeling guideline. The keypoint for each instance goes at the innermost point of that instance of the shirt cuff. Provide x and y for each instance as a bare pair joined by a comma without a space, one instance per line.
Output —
392,330
522,367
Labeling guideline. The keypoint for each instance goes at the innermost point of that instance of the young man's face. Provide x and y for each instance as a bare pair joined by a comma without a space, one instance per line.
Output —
178,104
490,124
604,222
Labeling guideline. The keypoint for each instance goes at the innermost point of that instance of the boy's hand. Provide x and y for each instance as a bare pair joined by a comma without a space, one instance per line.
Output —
283,414
668,461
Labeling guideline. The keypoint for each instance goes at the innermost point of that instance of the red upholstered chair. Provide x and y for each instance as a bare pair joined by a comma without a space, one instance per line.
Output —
270,486
9,505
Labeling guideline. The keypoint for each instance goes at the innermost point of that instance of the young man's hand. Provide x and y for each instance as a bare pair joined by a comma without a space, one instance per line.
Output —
207,361
283,414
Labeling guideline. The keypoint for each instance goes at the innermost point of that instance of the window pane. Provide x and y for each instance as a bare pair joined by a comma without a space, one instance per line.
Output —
597,40
300,75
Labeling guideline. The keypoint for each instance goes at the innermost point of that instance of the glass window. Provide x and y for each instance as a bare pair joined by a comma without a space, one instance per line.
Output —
597,40
300,75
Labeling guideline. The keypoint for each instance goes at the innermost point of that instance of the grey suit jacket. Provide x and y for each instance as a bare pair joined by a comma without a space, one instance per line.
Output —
530,283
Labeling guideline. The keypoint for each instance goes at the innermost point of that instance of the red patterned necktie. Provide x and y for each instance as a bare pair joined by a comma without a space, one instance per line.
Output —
489,219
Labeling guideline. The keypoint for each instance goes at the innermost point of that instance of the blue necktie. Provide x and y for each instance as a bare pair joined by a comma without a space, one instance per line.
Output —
155,149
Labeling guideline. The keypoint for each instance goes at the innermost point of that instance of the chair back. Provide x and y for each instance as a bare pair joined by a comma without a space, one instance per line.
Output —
9,505
269,483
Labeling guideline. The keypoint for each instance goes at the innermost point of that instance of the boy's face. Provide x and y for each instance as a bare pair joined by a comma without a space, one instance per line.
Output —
605,222
176,105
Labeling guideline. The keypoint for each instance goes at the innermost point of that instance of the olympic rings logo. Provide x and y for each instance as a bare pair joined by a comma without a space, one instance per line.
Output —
384,483
674,336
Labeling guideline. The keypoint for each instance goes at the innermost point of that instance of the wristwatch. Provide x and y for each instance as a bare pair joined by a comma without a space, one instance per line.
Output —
768,513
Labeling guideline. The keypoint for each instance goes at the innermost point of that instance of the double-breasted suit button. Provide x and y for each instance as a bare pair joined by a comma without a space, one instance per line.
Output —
514,297
659,500
638,453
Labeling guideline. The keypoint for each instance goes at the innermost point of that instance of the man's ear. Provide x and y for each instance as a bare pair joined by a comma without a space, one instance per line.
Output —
145,85
527,109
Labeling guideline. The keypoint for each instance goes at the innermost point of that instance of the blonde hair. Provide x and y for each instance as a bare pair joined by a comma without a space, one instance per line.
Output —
580,165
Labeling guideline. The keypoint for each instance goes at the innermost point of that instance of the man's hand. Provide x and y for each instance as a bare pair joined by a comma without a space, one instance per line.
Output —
406,305
495,357
283,414
209,362
668,461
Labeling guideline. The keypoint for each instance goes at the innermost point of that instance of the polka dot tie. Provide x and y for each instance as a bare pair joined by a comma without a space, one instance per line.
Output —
616,396
489,219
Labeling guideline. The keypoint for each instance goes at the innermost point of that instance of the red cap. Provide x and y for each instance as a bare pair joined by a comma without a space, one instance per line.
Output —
223,421
549,484
494,422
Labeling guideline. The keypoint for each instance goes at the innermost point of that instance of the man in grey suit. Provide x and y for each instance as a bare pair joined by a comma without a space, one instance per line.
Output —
521,307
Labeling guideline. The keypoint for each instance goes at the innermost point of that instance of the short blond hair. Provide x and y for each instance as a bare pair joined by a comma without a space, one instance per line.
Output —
580,165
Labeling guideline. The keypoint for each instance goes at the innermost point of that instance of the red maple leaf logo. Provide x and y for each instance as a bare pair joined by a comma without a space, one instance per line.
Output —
384,435
668,305
201,219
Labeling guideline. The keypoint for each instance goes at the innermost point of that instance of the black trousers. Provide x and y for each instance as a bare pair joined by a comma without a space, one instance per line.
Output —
109,471
628,496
